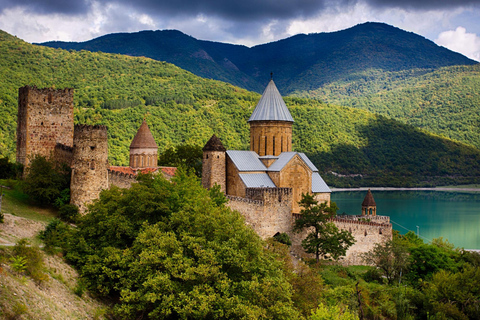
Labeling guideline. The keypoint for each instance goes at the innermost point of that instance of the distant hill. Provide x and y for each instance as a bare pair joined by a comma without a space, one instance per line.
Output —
300,63
119,91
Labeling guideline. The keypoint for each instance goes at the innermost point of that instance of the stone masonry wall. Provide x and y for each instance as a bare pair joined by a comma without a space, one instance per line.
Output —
63,154
214,169
121,180
90,165
45,118
270,137
267,211
366,235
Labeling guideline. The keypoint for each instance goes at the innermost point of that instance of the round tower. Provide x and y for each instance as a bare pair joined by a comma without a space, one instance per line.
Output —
90,164
271,124
369,207
214,164
143,149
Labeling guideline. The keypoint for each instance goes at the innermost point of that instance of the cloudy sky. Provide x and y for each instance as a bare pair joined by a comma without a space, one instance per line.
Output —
454,24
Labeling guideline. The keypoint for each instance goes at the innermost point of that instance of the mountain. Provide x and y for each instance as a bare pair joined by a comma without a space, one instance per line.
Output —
300,63
119,91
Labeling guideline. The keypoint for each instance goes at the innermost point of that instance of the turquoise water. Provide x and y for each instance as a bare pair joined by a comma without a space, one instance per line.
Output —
452,215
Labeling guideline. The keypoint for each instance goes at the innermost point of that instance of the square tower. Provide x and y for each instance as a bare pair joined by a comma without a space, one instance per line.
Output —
45,118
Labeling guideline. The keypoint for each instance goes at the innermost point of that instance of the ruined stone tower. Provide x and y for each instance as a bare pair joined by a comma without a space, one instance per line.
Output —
271,124
214,164
45,119
143,149
90,164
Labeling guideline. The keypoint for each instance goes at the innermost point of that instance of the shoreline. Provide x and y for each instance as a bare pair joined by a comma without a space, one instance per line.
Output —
443,189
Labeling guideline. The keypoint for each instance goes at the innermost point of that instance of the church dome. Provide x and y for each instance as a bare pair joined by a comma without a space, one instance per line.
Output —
271,106
143,138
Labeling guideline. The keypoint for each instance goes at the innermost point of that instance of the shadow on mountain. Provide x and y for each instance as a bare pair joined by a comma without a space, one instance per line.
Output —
398,155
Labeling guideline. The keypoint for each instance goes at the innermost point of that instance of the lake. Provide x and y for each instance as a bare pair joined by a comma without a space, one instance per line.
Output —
452,215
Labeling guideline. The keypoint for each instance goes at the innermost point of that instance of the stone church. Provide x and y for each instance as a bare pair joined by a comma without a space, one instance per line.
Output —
266,182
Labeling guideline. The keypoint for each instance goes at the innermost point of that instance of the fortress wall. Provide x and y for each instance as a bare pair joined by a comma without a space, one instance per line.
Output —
63,154
121,180
267,212
366,235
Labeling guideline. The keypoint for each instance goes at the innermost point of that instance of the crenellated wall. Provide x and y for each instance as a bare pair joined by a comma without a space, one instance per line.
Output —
120,179
266,210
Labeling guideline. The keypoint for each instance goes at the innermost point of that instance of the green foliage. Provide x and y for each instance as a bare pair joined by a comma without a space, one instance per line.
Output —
54,235
10,170
166,250
282,238
391,258
45,180
185,156
325,239
69,213
32,256
332,313
427,259
19,263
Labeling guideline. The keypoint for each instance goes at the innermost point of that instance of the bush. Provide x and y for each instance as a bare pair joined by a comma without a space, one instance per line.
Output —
33,257
69,213
54,235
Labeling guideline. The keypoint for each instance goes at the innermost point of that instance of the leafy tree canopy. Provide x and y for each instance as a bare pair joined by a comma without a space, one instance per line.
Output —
325,239
165,250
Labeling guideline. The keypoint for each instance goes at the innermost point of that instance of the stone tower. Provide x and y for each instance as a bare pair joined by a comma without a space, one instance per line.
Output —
271,124
90,164
369,207
45,119
143,149
214,164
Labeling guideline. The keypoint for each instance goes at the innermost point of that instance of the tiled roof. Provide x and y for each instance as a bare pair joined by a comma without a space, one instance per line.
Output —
214,144
271,106
170,171
246,160
257,180
318,185
369,201
143,138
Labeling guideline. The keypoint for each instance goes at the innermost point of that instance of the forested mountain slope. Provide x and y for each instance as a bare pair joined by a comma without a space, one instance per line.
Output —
445,101
302,62
119,91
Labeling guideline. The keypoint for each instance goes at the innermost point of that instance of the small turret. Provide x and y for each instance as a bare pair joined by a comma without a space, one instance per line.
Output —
214,164
369,207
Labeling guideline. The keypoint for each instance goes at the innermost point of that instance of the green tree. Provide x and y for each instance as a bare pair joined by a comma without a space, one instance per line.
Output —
166,250
324,239
184,155
46,180
390,257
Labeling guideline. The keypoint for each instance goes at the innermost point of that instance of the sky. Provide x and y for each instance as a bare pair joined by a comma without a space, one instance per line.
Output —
454,24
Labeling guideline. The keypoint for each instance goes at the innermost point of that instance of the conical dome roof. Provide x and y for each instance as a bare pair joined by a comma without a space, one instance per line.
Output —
143,138
214,144
271,106
369,201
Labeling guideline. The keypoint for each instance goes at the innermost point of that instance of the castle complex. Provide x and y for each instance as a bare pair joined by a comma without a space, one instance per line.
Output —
264,183
45,127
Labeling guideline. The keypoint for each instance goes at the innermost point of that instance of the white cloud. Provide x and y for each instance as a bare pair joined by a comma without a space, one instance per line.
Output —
460,41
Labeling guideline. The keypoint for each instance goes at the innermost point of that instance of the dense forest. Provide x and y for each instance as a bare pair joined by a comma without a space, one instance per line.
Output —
445,101
119,91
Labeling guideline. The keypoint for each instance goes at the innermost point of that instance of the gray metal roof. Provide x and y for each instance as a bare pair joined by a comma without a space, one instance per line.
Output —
318,185
257,180
271,106
283,159
307,161
246,160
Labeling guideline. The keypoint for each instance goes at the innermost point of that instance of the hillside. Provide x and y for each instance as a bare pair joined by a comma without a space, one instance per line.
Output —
118,91
445,101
